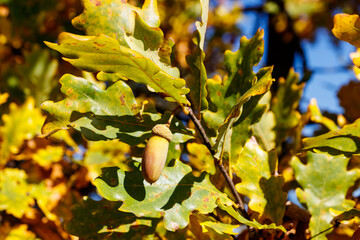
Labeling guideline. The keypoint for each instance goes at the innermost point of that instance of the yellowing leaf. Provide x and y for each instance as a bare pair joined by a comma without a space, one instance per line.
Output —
347,28
3,97
14,192
45,157
201,158
21,232
106,154
22,122
48,198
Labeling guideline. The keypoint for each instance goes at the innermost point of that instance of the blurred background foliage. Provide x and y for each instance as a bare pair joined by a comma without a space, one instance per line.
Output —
42,177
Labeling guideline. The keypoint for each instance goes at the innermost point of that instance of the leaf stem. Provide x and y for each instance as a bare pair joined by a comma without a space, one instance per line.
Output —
218,163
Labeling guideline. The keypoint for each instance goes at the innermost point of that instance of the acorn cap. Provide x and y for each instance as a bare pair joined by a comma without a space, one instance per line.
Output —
162,130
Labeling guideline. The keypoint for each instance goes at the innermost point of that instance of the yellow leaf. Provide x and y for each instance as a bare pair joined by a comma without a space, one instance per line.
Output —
3,97
21,123
347,28
21,232
45,157
201,158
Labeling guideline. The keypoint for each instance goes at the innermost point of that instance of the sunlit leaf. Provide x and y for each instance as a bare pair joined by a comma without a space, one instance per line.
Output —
201,158
3,97
202,227
174,195
14,192
264,129
235,214
256,169
22,122
45,157
316,116
106,154
114,18
21,232
105,54
197,80
105,114
325,182
347,28
47,198
345,140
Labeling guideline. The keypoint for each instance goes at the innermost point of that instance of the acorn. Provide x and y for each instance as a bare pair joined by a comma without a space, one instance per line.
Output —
155,152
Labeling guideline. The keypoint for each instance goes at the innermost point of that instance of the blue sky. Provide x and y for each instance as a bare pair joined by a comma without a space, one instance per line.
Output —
323,56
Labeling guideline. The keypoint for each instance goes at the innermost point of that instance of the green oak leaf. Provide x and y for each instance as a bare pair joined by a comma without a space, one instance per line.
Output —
343,141
261,86
264,129
239,64
221,104
197,80
105,114
14,192
235,214
325,182
105,55
285,104
102,219
224,94
174,195
256,169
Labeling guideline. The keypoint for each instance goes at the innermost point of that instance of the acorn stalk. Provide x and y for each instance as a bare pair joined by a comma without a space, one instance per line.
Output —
155,152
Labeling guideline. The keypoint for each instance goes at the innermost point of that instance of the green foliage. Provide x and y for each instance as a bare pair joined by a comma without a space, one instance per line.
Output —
104,114
260,87
175,195
197,80
318,178
259,182
285,104
84,171
105,54
345,140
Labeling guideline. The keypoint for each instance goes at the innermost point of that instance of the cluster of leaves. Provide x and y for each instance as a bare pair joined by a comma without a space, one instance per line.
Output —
254,133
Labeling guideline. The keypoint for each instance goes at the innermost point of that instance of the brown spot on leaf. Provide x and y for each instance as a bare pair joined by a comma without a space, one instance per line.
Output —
99,45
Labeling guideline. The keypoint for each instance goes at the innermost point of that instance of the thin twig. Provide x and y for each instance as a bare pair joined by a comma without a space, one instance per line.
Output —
221,167
334,226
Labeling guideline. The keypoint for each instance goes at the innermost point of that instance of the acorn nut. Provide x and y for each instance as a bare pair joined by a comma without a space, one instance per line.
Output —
155,153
